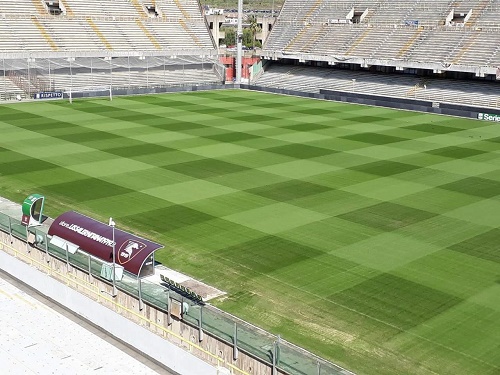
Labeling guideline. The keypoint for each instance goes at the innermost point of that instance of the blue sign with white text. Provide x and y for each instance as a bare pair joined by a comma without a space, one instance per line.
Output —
48,95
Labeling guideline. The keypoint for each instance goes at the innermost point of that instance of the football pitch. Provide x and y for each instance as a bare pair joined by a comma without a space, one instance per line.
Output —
369,236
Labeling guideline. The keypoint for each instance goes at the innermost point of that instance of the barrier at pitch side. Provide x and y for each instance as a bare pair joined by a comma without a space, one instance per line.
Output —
240,344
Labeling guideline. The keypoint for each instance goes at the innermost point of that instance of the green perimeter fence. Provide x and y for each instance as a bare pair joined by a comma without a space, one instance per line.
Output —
243,336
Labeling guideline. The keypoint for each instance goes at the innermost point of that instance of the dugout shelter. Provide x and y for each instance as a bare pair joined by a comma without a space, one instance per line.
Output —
74,232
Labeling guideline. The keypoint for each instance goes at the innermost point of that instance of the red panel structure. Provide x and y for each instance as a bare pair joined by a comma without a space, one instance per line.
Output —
135,254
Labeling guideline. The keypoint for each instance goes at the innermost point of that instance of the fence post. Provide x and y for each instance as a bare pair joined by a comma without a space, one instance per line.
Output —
10,230
276,354
47,249
274,358
200,325
235,342
169,321
141,304
27,235
182,307
67,257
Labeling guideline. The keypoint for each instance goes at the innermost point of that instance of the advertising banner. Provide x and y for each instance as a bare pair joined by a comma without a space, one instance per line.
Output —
48,95
488,117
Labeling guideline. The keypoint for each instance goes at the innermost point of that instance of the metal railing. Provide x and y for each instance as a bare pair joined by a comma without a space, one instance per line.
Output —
93,291
243,336
27,77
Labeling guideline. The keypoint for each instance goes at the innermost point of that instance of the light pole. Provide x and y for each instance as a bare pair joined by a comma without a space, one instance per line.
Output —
70,60
239,41
112,225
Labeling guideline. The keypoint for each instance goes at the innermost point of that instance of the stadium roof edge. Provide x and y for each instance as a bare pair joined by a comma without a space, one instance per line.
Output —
104,53
364,62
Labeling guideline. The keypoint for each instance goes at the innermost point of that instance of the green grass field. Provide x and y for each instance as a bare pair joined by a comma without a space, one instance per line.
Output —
367,235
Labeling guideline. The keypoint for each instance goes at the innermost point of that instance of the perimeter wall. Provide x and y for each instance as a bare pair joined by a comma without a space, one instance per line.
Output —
340,96
177,346
384,101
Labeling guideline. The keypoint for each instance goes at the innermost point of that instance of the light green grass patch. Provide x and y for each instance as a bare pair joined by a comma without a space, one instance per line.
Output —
299,137
382,152
144,179
451,272
218,150
465,167
299,168
488,297
105,168
160,136
386,188
275,218
188,191
386,251
490,213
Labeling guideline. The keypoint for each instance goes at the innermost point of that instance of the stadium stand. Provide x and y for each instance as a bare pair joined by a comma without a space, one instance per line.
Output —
87,73
312,79
413,23
74,45
428,40
109,24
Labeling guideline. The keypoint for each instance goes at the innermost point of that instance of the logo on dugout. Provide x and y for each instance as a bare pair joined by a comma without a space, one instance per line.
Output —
129,249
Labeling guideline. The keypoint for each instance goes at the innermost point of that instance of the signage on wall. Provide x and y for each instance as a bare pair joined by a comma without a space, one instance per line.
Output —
48,95
488,117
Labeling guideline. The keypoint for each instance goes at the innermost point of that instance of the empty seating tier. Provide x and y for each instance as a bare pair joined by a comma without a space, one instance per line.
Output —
311,79
95,25
461,34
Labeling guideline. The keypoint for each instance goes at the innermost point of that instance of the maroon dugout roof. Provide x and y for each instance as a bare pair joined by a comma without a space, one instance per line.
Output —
135,254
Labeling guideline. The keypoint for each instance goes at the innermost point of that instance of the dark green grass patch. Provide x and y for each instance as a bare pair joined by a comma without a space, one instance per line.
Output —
206,168
366,119
374,138
43,125
267,254
315,111
387,216
178,125
87,189
455,152
206,110
476,186
288,190
484,246
384,168
300,151
168,218
307,127
393,300
433,128
139,149
20,118
158,101
24,166
494,140
88,136
232,137
256,118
